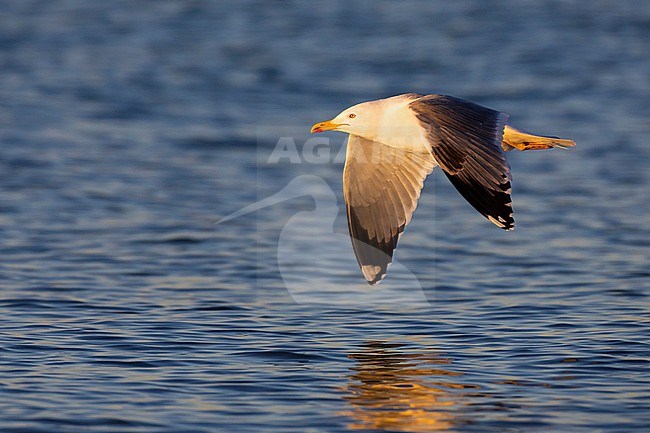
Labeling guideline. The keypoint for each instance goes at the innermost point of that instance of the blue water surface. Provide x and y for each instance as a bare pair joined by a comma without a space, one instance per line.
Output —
128,129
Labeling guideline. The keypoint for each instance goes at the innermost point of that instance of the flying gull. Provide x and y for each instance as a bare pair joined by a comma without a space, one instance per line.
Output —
395,143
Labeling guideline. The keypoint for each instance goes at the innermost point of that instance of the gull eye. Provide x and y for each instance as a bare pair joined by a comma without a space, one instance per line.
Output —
352,116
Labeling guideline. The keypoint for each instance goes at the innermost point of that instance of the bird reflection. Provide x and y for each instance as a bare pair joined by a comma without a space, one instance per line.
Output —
396,391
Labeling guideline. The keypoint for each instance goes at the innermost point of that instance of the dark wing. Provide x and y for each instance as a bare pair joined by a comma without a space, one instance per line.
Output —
465,140
381,186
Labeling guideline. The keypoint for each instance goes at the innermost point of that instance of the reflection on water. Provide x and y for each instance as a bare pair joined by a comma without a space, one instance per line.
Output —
393,390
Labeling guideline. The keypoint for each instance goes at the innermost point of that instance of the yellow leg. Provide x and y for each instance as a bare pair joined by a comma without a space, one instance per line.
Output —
515,139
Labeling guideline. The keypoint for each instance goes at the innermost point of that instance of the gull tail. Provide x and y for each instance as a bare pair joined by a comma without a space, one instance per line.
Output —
520,140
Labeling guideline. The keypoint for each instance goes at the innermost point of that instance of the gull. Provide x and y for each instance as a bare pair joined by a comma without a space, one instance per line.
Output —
395,143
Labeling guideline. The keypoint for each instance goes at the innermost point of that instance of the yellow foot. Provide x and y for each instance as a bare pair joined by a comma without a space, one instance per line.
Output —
515,139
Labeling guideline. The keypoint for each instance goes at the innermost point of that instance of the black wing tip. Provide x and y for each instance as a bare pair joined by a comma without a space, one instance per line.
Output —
376,279
507,224
496,206
373,255
373,261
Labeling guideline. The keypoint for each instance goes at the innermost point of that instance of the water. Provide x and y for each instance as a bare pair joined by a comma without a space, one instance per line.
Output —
128,129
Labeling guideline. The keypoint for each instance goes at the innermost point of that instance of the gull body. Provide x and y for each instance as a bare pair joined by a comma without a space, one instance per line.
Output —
395,143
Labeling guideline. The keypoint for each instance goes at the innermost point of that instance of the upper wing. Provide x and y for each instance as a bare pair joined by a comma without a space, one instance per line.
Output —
381,186
465,140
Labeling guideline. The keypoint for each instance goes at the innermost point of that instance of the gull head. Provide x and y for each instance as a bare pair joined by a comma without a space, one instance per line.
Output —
361,119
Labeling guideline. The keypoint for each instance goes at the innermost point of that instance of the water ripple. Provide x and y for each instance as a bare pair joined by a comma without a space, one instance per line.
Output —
128,130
